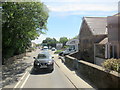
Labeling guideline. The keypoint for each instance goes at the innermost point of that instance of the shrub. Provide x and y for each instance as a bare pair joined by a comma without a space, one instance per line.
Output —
58,51
65,47
112,64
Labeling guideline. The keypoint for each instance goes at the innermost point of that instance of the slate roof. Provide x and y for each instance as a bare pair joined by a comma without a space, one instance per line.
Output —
97,25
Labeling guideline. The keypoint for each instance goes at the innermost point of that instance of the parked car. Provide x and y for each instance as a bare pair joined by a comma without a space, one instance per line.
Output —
66,52
53,49
61,53
44,61
45,48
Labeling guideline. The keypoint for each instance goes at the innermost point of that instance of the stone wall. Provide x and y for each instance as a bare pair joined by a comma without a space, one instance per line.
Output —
94,74
75,55
99,61
86,43
11,60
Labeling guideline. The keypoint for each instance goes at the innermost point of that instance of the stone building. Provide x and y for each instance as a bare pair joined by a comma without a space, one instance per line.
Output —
93,30
113,45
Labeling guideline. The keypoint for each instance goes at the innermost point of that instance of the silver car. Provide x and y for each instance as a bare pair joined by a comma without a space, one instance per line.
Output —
44,61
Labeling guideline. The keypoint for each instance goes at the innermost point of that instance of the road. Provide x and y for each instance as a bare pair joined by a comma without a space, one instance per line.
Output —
45,79
56,79
61,77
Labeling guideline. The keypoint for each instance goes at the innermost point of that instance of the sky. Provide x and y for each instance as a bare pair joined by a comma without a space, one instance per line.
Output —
65,16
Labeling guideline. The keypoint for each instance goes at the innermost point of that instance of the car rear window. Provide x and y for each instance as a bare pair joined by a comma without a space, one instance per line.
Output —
42,56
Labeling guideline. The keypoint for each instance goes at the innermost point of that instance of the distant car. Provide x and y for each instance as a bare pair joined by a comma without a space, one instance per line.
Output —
53,49
61,53
44,61
45,48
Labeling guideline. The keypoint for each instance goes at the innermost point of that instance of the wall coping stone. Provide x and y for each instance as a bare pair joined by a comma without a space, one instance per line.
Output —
70,57
96,66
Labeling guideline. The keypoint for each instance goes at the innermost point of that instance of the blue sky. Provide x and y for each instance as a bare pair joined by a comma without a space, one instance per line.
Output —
65,16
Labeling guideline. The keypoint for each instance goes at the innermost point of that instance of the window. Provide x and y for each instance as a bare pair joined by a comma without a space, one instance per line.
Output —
41,56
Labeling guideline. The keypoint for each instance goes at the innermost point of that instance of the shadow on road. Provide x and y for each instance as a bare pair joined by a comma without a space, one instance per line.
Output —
40,72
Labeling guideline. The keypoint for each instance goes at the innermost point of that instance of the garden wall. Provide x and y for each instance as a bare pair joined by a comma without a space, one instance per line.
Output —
99,61
94,74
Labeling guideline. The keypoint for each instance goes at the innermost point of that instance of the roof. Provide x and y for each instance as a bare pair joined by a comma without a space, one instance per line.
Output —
104,41
72,42
118,14
97,25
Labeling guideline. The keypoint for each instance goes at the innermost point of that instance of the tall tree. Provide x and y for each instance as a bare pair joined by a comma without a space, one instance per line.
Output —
63,40
50,42
21,23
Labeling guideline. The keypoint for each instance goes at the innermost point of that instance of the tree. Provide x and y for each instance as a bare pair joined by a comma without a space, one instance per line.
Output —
50,42
53,42
21,23
63,40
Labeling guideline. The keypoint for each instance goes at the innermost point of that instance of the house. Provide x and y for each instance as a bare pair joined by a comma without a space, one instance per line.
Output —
73,44
100,51
93,30
113,45
59,46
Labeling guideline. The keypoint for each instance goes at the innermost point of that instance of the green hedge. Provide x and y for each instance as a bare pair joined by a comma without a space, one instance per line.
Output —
58,51
112,64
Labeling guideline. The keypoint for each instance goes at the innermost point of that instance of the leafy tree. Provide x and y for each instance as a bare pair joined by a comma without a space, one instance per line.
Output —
53,42
63,40
21,23
50,42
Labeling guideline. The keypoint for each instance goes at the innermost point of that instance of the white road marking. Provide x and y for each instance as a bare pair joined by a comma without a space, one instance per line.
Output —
20,80
25,81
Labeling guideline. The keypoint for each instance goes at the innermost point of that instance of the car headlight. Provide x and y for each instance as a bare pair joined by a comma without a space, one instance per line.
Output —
50,62
36,63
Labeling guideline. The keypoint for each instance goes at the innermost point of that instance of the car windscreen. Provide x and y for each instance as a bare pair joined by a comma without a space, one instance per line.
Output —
42,56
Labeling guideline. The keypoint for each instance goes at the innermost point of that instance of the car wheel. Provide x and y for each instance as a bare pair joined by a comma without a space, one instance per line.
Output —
51,70
34,69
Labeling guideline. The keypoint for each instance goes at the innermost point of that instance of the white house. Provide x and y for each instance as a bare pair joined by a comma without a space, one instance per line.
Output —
73,44
59,46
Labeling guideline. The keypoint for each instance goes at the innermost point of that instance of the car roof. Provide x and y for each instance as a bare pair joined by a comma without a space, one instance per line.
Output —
45,47
45,52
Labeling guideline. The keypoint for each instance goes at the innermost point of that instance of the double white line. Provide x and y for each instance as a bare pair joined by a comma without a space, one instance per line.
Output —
16,86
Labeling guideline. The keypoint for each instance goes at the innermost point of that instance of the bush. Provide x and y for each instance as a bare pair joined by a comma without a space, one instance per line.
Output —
112,64
58,51
65,47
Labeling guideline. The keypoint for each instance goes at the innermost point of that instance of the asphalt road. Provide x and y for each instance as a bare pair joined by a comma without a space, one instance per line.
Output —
44,79
61,77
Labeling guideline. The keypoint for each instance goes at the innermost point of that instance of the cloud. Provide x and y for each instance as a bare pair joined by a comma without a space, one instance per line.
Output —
40,39
80,6
59,1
